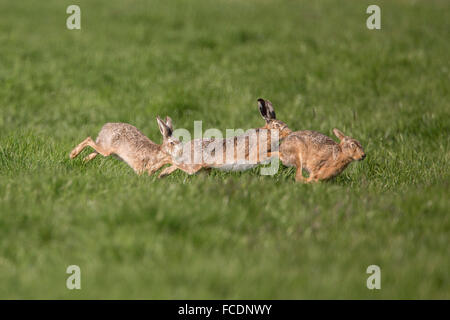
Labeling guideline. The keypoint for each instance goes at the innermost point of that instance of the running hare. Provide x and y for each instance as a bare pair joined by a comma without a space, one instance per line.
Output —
237,153
127,143
320,155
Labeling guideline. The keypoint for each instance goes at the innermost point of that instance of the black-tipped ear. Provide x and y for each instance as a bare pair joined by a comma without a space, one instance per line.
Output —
266,110
270,110
338,134
169,123
263,109
163,128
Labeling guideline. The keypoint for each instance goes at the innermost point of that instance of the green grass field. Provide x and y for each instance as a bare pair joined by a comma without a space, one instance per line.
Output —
224,235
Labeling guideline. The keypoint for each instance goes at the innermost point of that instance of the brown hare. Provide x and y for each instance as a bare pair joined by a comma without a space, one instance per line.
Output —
318,154
237,153
127,143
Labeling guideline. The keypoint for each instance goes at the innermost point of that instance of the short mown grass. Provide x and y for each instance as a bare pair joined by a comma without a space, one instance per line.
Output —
224,235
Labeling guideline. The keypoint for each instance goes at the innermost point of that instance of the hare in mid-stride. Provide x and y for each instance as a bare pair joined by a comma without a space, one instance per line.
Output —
318,154
127,143
236,153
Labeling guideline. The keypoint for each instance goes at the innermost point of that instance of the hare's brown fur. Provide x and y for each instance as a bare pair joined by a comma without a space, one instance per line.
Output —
318,154
127,143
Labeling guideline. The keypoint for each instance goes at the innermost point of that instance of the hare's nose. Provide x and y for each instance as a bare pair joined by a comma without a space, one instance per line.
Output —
363,156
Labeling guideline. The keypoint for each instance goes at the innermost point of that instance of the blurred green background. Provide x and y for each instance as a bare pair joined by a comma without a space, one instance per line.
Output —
224,235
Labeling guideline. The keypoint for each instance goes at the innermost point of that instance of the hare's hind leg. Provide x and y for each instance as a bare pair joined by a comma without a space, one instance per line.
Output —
312,179
89,142
76,151
91,156
299,175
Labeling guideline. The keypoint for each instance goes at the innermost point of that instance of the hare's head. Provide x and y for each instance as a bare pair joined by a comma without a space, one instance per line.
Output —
268,114
170,145
350,147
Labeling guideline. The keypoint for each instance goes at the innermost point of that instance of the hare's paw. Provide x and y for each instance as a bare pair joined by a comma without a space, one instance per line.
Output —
90,157
74,153
162,175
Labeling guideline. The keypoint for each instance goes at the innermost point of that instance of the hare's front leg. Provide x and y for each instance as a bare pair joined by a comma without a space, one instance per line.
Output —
167,171
89,142
155,167
189,169
299,175
299,172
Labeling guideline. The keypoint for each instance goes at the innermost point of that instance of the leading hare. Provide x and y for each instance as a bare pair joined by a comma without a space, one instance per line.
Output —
318,154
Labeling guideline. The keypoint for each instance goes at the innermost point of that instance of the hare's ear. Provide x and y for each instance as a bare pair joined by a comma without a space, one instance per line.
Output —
270,110
163,128
266,109
169,123
338,134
